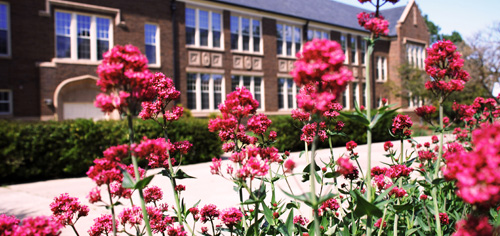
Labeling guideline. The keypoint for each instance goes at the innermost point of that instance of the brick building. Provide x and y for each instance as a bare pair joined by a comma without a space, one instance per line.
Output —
49,50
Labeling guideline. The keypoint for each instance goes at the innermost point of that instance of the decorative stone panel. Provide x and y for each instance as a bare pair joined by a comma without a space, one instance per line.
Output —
364,72
282,66
355,72
257,63
205,59
238,62
247,62
216,60
193,58
290,65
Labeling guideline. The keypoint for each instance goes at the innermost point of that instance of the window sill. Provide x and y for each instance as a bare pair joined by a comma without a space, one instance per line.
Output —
287,57
5,56
154,66
205,48
247,52
76,62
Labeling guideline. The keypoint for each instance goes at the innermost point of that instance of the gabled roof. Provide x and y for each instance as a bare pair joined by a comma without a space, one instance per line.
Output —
323,11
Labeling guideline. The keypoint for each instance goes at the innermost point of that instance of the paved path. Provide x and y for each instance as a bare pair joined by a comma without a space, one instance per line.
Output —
33,199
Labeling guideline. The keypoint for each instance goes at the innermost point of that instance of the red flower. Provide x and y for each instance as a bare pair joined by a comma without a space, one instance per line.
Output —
209,212
347,169
473,226
388,145
67,210
401,126
351,145
443,217
376,25
231,216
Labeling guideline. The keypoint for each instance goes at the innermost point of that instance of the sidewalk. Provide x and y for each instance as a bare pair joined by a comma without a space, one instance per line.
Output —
33,199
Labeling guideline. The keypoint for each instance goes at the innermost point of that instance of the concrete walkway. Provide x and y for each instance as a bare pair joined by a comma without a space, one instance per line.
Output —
33,199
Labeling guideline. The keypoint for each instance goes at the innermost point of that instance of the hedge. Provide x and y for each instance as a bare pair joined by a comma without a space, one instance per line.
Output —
45,150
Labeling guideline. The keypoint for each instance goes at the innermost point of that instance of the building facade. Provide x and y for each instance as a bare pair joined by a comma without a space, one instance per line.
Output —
50,49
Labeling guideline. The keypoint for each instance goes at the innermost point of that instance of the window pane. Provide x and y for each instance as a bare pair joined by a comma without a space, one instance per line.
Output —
256,35
150,32
203,27
289,92
3,42
205,87
257,90
83,33
216,29
325,35
235,82
247,80
63,41
234,32
217,90
3,16
191,91
102,47
297,38
190,26
281,100
288,38
279,37
4,107
151,54
102,27
245,32
310,35
353,50
317,34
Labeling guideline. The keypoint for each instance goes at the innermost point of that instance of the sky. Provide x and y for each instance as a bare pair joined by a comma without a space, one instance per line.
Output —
465,16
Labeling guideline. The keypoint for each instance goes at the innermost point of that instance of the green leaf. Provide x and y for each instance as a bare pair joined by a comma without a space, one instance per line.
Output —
335,133
363,207
182,175
291,205
289,223
261,192
250,202
356,117
382,195
325,197
331,230
403,207
438,181
411,231
332,175
128,181
302,197
268,214
141,184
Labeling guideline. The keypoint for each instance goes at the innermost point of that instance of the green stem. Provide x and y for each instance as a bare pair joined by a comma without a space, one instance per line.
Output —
380,230
436,169
137,176
371,45
74,229
312,180
112,210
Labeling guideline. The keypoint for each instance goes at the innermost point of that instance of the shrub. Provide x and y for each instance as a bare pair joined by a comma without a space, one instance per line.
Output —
45,150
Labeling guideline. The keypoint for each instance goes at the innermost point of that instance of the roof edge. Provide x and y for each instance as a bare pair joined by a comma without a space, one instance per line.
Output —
406,11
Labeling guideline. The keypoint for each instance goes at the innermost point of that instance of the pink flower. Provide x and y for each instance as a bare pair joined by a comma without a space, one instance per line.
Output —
300,220
157,220
158,151
67,210
397,192
319,69
435,139
401,125
289,165
426,112
423,197
351,145
384,101
379,221
178,230
329,205
216,166
473,226
426,155
388,145
346,168
8,224
239,103
231,216
443,217
209,212
39,226
397,171
131,216
180,188
153,194
376,25
258,123
102,225
298,114
94,195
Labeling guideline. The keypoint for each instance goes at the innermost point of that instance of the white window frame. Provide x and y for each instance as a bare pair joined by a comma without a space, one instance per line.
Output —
345,49
284,94
74,36
210,29
9,101
7,19
211,92
347,95
353,48
251,35
252,87
363,45
416,55
157,44
313,31
283,45
381,68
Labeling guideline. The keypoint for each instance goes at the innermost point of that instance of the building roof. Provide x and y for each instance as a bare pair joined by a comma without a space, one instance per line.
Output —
323,11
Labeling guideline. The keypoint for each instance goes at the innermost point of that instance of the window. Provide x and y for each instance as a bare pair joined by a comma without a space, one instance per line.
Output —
5,102
151,40
416,55
287,94
343,44
346,101
363,102
245,34
362,44
317,34
253,83
415,101
381,69
355,88
204,91
203,28
81,36
4,30
289,39
354,52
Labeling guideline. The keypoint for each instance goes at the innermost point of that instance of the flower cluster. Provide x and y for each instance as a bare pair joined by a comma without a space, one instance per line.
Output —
231,216
124,69
347,169
67,210
319,69
209,213
376,25
159,151
329,205
300,220
444,66
473,226
477,172
165,92
426,112
39,226
401,125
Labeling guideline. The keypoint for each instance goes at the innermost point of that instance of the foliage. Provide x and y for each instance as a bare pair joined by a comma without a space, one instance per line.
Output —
46,150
